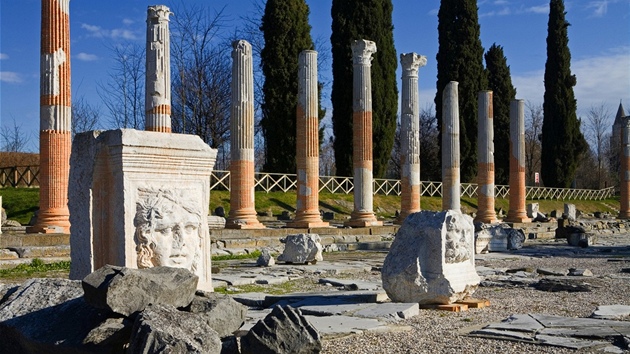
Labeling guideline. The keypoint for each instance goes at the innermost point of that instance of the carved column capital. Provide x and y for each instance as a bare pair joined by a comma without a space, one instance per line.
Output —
362,51
241,47
410,63
159,12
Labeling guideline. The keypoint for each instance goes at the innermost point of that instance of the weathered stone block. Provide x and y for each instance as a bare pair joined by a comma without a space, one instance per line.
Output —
126,291
301,248
220,312
570,212
431,260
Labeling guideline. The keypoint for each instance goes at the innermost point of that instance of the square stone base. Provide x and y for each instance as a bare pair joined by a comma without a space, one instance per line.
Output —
307,224
362,223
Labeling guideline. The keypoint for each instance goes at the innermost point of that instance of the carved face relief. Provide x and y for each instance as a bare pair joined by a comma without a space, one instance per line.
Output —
167,231
458,239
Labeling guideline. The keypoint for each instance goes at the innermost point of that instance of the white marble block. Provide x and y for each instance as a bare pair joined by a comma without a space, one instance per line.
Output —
532,210
570,211
431,260
140,199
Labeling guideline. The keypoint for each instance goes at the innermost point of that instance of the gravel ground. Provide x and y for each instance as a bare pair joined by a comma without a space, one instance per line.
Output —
441,332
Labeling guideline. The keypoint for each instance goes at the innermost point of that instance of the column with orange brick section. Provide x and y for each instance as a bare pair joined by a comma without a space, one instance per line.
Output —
517,212
242,199
451,186
55,118
158,71
485,155
624,178
410,135
307,154
363,214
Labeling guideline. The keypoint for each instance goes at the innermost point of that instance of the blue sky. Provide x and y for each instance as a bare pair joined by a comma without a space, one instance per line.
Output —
599,40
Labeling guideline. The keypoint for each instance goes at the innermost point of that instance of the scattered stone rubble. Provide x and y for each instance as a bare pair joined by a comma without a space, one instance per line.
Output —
301,248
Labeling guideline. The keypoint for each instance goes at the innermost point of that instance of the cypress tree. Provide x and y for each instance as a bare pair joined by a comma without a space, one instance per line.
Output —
500,82
562,141
460,58
287,32
371,20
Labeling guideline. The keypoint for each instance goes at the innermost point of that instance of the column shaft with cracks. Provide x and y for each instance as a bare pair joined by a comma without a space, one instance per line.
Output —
451,187
158,71
517,212
485,153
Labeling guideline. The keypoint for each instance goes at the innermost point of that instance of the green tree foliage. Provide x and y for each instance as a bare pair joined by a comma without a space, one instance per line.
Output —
287,32
371,20
562,141
460,58
500,82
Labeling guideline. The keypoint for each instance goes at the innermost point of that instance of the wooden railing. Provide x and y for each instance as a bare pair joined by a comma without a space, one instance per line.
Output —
27,176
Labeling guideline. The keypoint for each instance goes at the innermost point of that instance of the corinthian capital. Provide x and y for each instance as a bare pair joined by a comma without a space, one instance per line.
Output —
362,51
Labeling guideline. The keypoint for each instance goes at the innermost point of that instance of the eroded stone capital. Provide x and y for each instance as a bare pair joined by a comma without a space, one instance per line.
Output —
241,47
362,51
411,62
158,12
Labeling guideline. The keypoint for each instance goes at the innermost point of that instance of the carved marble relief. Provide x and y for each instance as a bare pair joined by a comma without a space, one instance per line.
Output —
458,240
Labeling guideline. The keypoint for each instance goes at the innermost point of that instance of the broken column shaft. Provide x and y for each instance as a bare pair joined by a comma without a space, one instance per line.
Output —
410,135
242,199
451,188
307,154
55,137
485,153
362,215
158,71
517,212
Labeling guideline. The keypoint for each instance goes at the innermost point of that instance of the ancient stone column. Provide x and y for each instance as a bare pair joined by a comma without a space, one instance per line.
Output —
485,154
517,212
363,214
55,118
624,178
242,213
307,154
451,188
410,135
158,71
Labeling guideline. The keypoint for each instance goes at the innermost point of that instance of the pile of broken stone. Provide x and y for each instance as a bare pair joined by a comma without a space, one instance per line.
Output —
123,310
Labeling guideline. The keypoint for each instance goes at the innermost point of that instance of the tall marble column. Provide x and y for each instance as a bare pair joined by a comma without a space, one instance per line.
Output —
410,135
517,212
307,154
55,135
624,178
451,187
363,214
242,199
485,153
158,71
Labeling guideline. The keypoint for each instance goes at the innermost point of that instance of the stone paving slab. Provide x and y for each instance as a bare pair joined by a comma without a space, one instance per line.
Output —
336,297
518,322
334,326
351,284
569,342
611,312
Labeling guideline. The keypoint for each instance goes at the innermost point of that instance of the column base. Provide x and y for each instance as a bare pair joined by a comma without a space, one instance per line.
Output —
362,219
486,219
624,215
242,224
51,221
517,218
50,229
296,224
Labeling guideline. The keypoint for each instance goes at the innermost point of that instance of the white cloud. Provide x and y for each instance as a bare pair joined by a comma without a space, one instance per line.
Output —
128,21
542,9
99,32
10,77
602,78
86,57
599,7
4,56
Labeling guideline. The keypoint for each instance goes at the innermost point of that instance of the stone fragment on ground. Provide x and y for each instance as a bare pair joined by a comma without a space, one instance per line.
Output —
284,331
220,312
431,260
611,312
351,284
567,332
562,284
126,291
265,259
154,331
301,248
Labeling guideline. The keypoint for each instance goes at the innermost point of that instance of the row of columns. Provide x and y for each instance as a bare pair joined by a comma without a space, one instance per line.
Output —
55,132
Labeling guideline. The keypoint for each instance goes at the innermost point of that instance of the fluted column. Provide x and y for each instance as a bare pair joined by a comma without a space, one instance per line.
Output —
307,154
517,212
55,118
624,178
485,153
410,135
158,71
451,187
242,199
362,215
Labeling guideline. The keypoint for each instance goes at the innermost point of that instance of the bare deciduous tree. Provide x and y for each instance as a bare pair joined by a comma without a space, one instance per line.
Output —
597,134
533,131
85,117
13,138
202,75
123,93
